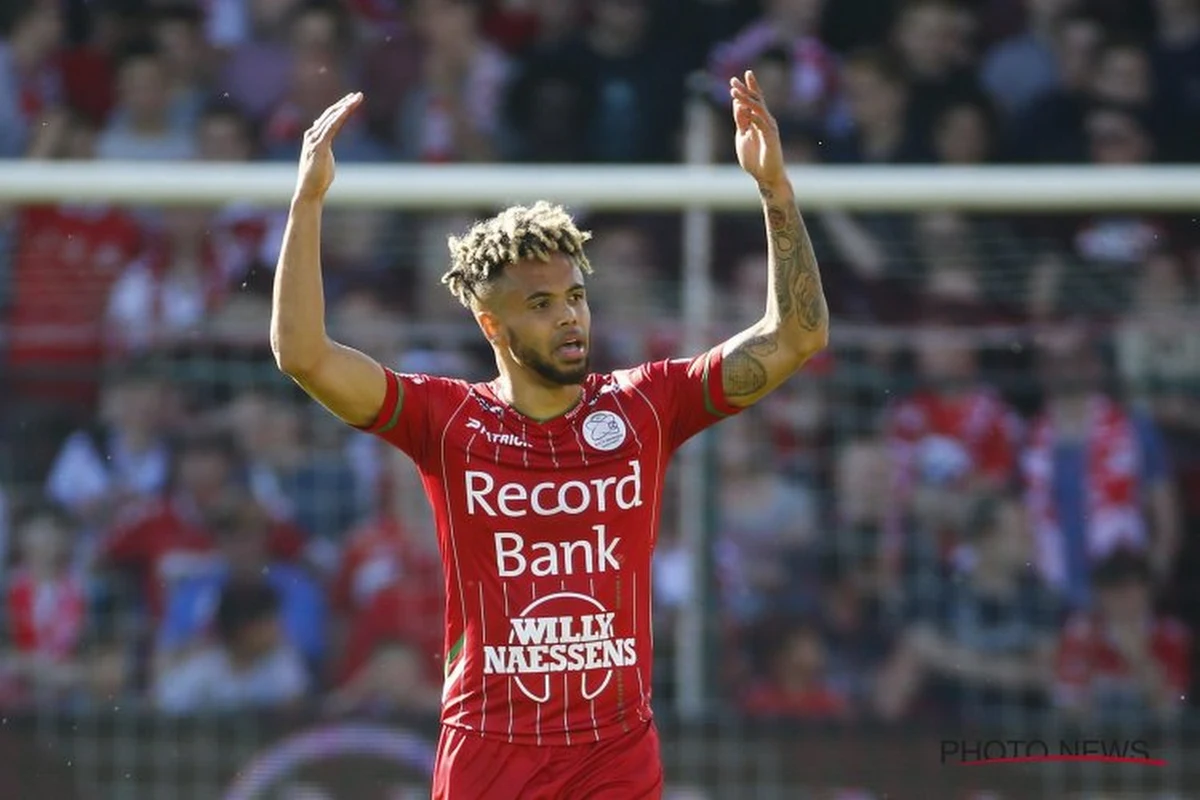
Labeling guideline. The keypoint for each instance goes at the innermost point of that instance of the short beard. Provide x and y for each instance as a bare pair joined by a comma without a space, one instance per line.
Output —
530,358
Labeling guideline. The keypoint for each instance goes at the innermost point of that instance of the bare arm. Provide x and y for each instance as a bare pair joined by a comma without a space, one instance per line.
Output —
795,325
348,383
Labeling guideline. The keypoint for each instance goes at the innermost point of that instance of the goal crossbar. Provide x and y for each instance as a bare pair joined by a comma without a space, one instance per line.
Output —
661,188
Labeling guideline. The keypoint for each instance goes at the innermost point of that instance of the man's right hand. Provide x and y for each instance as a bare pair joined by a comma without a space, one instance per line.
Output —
316,152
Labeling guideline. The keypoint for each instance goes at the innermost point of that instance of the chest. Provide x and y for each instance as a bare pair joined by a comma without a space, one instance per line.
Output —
589,443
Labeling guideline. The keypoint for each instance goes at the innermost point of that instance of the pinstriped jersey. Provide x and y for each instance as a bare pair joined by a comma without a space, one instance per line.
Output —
546,532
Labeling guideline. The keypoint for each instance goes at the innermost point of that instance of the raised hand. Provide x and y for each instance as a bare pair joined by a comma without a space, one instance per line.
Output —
759,149
316,153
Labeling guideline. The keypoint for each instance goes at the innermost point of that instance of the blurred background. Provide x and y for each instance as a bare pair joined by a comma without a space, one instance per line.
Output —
977,516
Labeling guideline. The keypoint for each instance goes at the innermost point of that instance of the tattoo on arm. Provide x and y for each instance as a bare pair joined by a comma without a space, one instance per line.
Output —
742,373
796,293
794,274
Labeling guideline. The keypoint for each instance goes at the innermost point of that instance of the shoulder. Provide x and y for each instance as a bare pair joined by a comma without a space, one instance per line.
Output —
440,393
1172,631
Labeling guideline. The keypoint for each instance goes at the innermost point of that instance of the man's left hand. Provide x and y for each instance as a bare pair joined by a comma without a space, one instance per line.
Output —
759,149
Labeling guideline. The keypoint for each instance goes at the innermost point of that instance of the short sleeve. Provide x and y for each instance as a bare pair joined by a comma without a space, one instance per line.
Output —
415,408
688,392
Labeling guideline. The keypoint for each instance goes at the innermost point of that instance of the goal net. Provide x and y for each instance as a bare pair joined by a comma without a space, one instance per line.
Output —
961,534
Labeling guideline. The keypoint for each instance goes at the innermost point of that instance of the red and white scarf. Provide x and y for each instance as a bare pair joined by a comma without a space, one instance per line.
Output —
46,616
1112,487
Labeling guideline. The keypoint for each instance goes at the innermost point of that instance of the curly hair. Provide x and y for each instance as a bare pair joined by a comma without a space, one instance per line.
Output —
517,233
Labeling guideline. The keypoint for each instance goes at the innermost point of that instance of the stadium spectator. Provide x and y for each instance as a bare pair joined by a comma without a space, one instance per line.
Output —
1095,476
453,113
316,80
290,476
183,275
1157,349
877,95
635,77
547,111
1158,358
798,686
124,458
178,33
1048,128
30,81
952,436
164,540
1122,662
930,38
393,681
65,260
1027,65
45,611
251,665
1176,59
626,290
792,25
144,125
974,268
261,40
525,26
963,132
241,530
388,585
767,526
981,640
859,508
853,627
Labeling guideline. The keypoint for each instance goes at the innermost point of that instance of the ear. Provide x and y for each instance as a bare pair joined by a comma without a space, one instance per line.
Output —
489,324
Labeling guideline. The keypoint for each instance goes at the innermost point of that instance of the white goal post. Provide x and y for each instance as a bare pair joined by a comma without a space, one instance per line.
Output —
640,188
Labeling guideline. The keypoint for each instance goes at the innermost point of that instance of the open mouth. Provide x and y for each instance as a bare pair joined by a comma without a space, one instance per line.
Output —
572,349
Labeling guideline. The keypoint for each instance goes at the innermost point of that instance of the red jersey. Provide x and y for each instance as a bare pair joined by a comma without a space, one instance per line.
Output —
546,531
1089,666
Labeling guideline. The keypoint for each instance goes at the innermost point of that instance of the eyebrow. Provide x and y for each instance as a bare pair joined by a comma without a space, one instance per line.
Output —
541,295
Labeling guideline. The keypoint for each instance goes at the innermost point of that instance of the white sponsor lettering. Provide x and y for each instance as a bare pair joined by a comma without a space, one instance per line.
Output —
583,556
560,644
510,439
549,498
563,632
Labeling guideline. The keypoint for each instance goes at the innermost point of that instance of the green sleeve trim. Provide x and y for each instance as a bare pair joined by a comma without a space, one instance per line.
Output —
391,423
455,652
708,403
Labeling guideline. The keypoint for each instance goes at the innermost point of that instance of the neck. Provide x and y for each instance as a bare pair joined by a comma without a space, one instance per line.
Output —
535,399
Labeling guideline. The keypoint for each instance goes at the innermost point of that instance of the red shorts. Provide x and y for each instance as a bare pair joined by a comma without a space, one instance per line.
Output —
627,767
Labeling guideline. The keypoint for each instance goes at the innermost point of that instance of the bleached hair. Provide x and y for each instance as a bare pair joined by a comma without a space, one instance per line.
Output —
517,233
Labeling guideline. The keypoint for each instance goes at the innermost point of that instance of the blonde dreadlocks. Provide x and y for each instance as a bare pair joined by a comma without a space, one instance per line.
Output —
515,234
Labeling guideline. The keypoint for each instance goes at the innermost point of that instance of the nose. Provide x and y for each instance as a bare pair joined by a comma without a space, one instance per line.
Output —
569,315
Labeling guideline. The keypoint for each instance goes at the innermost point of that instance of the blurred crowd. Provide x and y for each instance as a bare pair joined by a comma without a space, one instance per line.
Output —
985,497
